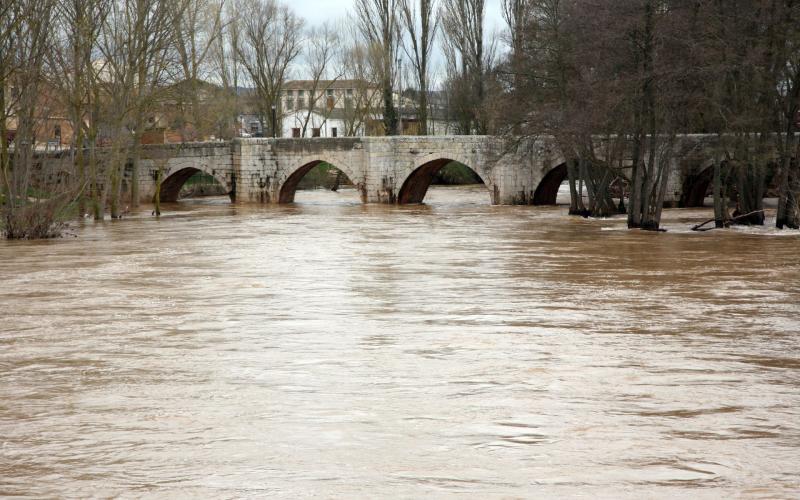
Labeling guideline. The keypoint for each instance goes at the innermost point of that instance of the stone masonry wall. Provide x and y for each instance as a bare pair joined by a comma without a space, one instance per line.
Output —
267,170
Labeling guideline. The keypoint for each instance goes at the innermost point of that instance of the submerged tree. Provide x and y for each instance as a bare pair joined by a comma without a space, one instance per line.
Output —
37,189
615,81
136,45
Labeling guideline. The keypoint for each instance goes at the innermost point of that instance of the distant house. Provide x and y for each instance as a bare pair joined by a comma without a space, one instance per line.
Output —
249,125
328,108
170,121
340,108
52,130
335,108
439,122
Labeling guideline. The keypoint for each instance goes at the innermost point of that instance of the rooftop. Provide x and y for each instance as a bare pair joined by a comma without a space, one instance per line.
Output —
327,84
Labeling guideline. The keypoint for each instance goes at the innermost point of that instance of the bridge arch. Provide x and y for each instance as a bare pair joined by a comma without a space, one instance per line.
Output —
547,191
695,187
174,181
415,185
698,185
288,188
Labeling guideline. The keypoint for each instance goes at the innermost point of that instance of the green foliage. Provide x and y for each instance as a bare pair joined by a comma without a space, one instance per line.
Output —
202,179
454,174
201,184
322,176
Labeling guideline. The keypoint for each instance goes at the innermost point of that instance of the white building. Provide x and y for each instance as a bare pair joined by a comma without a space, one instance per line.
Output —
329,108
338,108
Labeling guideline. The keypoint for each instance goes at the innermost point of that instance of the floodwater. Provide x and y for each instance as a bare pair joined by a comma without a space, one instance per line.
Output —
448,350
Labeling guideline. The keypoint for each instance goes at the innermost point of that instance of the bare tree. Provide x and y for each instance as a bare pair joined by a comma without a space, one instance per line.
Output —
545,74
519,16
197,28
10,20
323,60
225,68
785,35
136,46
379,25
469,58
37,189
614,94
269,41
77,29
364,104
421,24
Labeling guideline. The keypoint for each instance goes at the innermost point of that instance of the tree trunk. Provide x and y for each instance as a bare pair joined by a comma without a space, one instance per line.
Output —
634,202
750,181
720,208
389,112
5,192
788,215
422,112
80,165
135,158
115,179
96,195
572,177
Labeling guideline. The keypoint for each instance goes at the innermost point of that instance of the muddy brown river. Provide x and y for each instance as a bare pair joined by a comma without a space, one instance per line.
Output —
454,349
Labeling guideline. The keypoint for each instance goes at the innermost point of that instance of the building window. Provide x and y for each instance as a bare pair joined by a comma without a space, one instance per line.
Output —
289,104
314,132
254,127
295,132
330,100
57,131
334,132
349,92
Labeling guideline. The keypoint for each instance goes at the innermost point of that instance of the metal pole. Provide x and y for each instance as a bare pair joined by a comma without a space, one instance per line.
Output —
274,123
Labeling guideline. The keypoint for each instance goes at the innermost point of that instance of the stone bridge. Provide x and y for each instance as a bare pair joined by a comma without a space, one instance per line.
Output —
395,169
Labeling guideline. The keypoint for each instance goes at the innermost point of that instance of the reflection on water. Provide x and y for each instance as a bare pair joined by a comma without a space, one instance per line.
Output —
354,351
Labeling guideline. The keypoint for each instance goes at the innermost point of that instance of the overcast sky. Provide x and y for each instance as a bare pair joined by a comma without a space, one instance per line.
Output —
318,11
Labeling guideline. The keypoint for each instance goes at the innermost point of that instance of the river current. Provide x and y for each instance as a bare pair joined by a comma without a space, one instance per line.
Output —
453,349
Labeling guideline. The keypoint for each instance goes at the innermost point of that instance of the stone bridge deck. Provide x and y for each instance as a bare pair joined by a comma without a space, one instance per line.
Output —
391,169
